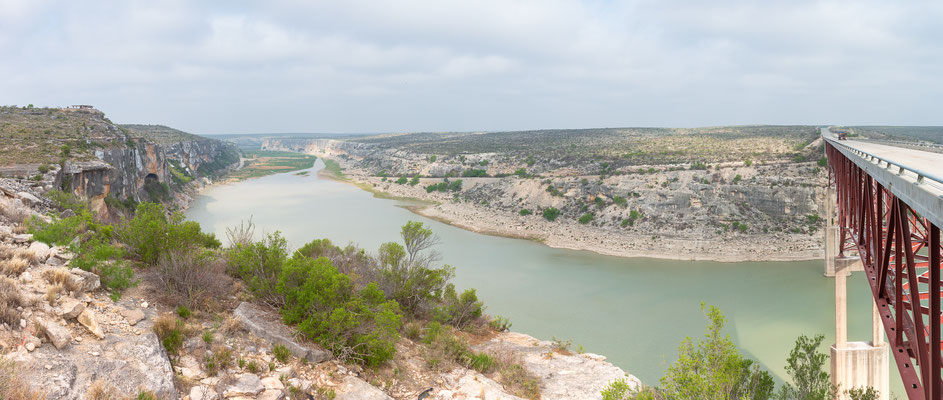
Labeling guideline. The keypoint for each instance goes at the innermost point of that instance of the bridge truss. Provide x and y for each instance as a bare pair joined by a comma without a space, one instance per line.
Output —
900,251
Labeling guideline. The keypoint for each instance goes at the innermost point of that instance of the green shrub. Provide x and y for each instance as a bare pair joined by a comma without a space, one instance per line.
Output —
634,215
521,172
586,218
458,310
208,337
405,271
474,173
414,181
402,180
619,200
500,323
259,265
551,213
737,179
151,233
525,212
282,354
183,312
170,332
480,362
358,325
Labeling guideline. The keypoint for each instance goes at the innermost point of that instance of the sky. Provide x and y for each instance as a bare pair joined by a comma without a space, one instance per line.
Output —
356,66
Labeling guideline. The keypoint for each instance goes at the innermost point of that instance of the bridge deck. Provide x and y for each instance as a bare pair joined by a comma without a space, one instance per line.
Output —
925,197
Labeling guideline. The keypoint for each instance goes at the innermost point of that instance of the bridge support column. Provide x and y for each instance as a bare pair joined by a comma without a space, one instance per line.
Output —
857,364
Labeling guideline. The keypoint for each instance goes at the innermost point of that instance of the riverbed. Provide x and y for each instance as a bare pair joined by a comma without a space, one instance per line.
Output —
635,311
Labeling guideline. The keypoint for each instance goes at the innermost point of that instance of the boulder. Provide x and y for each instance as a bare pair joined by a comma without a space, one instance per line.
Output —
353,388
130,363
272,382
269,327
248,385
88,281
57,334
87,319
562,376
68,213
29,198
133,316
189,368
41,250
72,309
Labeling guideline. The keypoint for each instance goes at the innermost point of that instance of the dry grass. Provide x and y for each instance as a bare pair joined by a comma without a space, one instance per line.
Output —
101,390
13,266
14,388
10,299
26,254
61,277
515,379
52,293
231,325
6,251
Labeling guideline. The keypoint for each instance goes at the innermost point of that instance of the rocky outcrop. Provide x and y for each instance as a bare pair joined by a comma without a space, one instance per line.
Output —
562,376
124,171
268,327
130,363
353,388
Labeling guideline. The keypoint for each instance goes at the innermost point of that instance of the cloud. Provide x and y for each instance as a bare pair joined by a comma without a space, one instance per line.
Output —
369,65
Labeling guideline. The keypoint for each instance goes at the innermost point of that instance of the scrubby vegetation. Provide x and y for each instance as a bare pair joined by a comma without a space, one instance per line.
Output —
261,163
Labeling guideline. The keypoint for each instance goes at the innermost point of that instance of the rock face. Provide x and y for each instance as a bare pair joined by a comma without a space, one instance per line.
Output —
563,377
123,171
267,327
88,281
470,384
87,319
354,388
129,363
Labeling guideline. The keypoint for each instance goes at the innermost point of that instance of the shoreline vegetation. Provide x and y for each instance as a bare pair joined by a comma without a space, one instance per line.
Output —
259,163
451,214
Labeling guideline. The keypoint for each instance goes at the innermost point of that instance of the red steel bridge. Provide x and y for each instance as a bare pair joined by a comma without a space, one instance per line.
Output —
890,210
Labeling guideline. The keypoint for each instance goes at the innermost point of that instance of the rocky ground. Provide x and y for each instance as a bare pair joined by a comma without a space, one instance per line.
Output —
68,339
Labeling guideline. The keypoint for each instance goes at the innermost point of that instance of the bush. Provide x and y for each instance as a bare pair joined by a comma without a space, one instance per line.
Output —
521,172
406,274
500,323
474,173
183,312
169,330
586,218
525,212
151,233
458,310
402,180
361,326
551,213
259,265
192,278
414,181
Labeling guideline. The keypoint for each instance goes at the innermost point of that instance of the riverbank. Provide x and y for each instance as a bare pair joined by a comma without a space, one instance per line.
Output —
684,246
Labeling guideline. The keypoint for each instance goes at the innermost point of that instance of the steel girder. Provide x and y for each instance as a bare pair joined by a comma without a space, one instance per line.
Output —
900,251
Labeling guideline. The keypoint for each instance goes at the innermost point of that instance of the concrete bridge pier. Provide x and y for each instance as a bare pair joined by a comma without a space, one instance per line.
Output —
858,364
854,364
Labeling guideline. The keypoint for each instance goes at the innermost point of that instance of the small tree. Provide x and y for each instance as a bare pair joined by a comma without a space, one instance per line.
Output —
805,366
712,368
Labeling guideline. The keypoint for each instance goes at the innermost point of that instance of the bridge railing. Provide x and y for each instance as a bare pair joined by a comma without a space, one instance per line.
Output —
921,176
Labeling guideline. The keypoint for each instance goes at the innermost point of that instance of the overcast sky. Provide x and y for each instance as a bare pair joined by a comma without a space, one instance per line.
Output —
444,65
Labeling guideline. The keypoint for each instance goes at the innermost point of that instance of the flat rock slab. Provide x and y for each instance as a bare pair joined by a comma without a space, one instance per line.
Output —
563,377
133,316
59,335
353,388
128,362
269,327
245,385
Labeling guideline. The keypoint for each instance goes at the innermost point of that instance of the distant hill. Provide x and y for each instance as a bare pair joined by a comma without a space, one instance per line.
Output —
928,133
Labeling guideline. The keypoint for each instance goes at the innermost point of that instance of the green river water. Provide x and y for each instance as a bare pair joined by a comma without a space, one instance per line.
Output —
635,311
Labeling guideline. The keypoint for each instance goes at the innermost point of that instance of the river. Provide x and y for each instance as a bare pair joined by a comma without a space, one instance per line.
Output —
635,311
